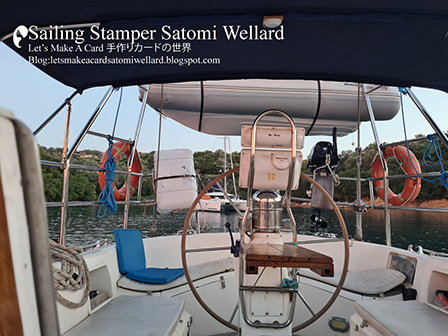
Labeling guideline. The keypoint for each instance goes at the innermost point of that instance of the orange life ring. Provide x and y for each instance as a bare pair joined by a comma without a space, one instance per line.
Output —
412,185
119,148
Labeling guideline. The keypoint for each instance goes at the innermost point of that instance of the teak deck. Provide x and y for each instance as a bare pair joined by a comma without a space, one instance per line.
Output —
291,256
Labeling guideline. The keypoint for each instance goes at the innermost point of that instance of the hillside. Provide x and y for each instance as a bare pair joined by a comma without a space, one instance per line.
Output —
84,184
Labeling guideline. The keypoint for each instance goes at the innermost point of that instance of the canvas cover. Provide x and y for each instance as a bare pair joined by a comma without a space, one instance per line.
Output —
397,43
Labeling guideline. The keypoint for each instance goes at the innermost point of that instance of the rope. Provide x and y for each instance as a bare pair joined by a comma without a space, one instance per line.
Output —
106,198
74,273
433,144
327,164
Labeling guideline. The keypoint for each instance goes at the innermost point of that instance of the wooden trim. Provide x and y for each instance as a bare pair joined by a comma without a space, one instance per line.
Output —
271,255
11,322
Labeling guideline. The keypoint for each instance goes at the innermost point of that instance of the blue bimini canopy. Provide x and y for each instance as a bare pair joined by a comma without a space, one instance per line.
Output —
397,43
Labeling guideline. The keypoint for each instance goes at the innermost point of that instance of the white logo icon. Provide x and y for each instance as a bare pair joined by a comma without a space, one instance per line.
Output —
19,33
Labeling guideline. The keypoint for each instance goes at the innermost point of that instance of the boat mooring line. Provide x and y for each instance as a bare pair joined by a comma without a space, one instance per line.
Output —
64,278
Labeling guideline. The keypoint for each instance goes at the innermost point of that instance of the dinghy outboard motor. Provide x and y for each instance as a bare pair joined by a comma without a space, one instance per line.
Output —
322,163
317,221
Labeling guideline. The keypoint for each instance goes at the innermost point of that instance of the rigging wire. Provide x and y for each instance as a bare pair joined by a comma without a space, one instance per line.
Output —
433,145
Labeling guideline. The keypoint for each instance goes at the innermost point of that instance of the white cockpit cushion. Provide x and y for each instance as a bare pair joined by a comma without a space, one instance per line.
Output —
197,272
402,318
372,281
132,315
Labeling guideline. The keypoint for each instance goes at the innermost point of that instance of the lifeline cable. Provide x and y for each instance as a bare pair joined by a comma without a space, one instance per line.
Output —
106,197
432,144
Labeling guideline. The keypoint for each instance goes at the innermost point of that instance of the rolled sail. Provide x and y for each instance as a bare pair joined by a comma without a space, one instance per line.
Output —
222,107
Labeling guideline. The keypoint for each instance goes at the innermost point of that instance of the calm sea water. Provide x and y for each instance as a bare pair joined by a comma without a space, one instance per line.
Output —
429,230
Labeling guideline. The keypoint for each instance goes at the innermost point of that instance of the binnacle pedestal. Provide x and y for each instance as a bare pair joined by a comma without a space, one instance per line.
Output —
268,290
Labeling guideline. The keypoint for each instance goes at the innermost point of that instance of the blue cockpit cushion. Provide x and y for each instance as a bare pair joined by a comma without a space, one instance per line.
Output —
130,251
156,275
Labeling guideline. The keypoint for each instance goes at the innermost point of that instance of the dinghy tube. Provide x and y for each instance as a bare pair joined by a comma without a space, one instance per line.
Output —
222,107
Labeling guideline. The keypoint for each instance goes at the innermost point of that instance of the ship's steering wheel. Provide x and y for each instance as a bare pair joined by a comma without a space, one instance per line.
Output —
229,324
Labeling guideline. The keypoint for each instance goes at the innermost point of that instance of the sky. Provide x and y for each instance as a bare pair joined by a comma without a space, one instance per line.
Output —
32,96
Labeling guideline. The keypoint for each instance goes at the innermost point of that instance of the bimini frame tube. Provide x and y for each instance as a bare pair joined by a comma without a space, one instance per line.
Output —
131,159
68,158
383,165
89,124
358,235
427,116
66,167
55,113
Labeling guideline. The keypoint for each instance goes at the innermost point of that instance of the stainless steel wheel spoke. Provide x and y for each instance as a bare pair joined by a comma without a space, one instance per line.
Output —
234,312
305,302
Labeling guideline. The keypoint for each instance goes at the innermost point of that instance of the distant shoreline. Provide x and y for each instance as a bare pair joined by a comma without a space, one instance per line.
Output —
440,203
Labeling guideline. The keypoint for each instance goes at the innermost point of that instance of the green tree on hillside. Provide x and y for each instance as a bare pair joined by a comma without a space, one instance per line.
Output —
84,184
